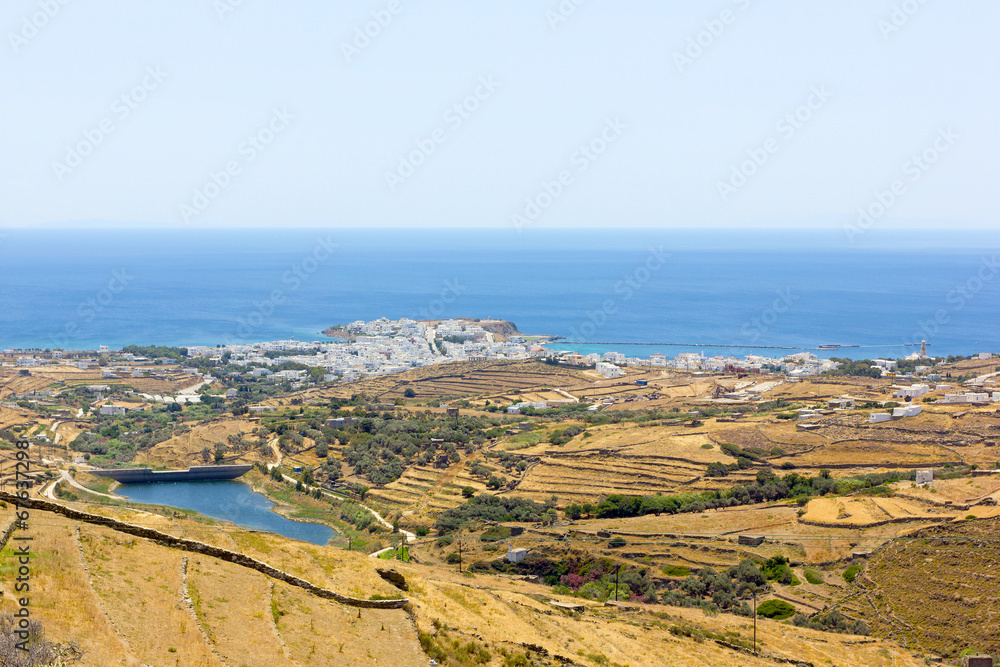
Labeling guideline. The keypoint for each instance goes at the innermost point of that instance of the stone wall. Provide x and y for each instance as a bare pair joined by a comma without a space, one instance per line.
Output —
198,547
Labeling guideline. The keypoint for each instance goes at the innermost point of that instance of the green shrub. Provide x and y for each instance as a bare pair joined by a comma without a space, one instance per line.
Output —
676,571
776,609
617,542
453,558
814,577
494,533
851,572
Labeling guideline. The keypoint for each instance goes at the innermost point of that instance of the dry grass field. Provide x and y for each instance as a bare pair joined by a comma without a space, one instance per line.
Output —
461,379
184,450
954,607
127,601
62,377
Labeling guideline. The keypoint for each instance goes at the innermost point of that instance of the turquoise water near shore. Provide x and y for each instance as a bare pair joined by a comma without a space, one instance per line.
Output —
602,290
227,500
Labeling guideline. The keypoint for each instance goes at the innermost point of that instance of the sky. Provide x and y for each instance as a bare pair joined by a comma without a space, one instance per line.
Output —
500,114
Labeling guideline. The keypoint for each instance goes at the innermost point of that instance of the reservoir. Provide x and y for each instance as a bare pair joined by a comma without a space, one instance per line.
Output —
227,500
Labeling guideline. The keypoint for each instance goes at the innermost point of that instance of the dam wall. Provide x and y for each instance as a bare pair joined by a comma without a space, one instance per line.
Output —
192,474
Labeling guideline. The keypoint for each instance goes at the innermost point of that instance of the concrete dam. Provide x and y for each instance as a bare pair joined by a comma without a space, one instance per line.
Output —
192,474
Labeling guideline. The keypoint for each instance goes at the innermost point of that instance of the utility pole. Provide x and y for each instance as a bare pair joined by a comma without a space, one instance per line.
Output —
460,554
755,623
617,567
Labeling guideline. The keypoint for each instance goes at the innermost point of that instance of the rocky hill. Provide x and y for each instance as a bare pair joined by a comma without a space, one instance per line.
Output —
954,606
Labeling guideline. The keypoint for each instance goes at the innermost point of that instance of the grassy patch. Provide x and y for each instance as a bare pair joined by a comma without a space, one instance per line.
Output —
814,577
851,572
776,609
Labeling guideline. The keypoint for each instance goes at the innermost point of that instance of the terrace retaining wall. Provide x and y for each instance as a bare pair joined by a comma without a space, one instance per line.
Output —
198,547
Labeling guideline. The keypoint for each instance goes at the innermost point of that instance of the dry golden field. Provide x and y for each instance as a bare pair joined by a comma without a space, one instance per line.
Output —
127,601
935,590
185,450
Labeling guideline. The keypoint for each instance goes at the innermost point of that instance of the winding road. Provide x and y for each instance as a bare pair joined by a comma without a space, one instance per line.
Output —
66,477
410,537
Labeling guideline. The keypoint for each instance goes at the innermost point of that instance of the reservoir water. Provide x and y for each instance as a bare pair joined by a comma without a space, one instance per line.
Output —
227,500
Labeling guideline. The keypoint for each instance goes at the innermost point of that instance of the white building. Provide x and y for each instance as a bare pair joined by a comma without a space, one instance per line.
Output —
115,410
608,370
925,476
913,391
878,417
908,411
516,555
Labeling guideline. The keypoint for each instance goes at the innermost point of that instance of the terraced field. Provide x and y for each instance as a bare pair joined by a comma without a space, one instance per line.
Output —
955,607
852,512
184,450
622,459
458,379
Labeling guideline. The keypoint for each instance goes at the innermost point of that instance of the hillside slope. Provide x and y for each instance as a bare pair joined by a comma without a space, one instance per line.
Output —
955,605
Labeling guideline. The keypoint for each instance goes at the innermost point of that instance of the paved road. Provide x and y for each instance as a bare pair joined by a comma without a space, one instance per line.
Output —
68,478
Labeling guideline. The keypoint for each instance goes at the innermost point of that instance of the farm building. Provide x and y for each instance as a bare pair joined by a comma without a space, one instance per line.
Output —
924,476
908,411
516,555
913,391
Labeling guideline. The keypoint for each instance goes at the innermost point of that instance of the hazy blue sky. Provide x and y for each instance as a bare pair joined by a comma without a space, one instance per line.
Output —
668,119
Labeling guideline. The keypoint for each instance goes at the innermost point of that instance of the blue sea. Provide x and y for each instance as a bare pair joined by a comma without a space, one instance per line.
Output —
635,291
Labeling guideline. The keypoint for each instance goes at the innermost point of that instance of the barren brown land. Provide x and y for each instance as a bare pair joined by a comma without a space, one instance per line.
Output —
658,492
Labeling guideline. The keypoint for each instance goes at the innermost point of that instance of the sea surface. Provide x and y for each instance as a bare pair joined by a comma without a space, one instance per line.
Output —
635,291
227,500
